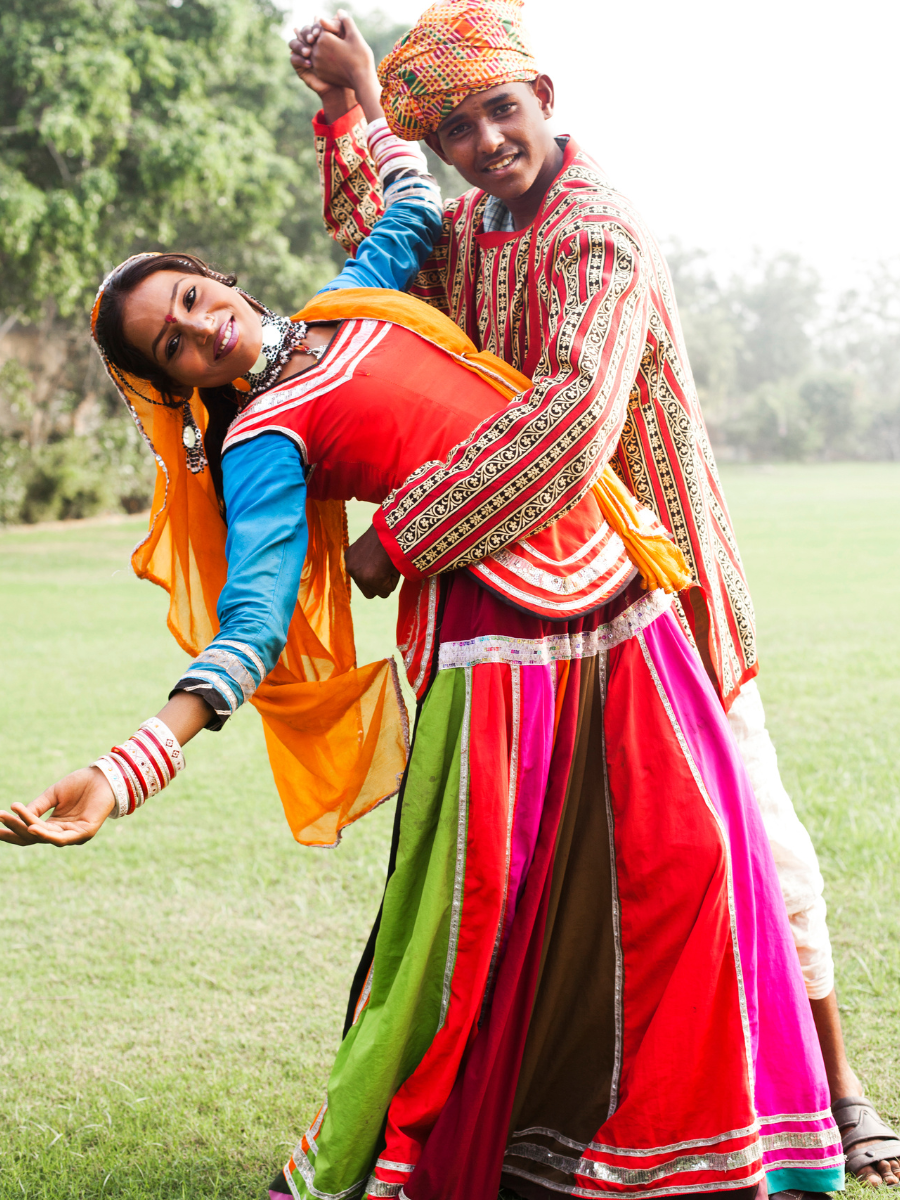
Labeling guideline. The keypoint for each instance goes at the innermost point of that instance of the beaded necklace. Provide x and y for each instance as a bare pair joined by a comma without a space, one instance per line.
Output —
280,338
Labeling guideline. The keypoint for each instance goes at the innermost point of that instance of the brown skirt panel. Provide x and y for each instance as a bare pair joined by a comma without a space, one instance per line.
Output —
567,1069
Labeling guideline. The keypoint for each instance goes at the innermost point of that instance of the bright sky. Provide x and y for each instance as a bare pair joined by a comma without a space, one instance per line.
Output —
770,124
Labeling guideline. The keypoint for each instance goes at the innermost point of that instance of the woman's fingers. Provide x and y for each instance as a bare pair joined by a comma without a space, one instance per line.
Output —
81,803
32,832
31,813
22,828
13,829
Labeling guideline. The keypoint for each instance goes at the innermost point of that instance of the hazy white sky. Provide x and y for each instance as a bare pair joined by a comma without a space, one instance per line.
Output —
734,125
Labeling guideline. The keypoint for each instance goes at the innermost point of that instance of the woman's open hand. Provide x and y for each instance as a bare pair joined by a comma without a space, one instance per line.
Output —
81,803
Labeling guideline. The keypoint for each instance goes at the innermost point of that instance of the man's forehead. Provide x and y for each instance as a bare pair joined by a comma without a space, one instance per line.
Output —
477,102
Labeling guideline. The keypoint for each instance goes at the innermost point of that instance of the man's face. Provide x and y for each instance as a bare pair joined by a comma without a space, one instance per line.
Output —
499,139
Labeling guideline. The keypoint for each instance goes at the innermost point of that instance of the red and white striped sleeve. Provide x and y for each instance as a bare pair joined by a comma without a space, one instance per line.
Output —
532,462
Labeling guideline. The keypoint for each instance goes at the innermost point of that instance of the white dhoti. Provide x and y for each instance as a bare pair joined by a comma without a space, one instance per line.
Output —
795,858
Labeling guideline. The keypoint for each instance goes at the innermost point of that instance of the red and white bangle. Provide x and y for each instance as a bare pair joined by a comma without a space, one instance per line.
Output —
392,153
142,766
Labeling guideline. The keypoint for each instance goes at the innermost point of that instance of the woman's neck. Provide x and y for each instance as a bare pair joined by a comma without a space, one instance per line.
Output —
317,336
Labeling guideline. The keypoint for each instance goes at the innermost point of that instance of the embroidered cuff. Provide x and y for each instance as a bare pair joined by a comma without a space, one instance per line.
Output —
404,565
409,185
207,691
345,124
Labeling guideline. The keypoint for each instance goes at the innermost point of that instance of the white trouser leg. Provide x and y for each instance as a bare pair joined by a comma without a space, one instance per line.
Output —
795,859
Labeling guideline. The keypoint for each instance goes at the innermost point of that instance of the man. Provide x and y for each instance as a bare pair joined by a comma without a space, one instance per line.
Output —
551,268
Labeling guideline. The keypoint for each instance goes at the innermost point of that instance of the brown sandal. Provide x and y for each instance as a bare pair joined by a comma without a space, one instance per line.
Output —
858,1121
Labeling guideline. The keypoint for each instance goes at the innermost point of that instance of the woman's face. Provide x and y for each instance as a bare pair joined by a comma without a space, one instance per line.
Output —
201,332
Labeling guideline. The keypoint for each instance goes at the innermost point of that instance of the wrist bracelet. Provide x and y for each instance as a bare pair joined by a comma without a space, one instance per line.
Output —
142,766
391,153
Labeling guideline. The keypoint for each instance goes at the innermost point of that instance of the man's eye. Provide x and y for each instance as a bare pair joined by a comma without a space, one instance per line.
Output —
172,344
502,110
189,297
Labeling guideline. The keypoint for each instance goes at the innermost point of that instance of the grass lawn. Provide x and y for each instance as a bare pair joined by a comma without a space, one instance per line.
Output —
172,994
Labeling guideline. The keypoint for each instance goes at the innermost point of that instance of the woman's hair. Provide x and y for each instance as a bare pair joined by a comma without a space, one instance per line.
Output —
220,403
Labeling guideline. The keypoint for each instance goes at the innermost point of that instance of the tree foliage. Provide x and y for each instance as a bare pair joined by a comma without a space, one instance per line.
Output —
130,125
783,375
140,124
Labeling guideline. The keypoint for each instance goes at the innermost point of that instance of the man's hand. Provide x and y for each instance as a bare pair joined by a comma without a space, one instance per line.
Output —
336,99
81,803
369,566
338,54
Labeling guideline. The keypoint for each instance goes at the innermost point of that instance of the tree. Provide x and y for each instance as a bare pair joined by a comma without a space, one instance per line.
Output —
131,125
777,307
141,124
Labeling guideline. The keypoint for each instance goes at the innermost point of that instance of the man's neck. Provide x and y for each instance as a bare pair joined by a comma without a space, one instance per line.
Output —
527,206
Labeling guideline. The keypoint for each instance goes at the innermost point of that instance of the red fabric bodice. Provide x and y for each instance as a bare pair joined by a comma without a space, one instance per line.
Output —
380,402
384,403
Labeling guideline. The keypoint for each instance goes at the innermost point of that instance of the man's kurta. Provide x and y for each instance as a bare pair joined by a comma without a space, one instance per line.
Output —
581,301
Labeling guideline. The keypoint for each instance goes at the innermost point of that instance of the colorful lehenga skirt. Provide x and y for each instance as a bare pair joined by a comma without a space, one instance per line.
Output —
582,980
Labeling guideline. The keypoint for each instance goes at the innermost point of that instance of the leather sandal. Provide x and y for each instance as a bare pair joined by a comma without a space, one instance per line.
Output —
858,1121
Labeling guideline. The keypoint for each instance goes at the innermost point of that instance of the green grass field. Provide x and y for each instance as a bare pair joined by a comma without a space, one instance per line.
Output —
172,994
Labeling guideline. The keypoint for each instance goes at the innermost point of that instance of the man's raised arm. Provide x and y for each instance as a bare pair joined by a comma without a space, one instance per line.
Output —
535,460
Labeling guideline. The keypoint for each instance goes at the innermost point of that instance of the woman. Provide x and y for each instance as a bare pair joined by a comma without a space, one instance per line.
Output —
582,979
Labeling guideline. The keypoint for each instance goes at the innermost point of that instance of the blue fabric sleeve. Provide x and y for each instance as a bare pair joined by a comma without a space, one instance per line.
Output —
393,253
265,499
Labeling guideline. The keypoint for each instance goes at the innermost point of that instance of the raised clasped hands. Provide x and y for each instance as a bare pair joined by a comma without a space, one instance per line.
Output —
369,566
80,804
333,59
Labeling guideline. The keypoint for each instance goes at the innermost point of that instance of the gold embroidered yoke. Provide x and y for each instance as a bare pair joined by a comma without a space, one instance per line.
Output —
582,303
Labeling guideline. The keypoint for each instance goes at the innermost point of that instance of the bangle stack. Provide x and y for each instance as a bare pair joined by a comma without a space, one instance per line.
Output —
142,766
392,154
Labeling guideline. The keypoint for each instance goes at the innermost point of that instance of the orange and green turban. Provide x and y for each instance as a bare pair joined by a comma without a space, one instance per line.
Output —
456,47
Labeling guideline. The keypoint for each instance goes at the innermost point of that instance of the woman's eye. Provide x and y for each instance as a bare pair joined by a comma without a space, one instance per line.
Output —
172,345
189,297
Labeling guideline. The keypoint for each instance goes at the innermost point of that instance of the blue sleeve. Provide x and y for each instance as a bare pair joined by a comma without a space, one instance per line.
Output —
265,500
394,252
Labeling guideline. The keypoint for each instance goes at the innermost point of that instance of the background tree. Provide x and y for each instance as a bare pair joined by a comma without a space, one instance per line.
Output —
131,125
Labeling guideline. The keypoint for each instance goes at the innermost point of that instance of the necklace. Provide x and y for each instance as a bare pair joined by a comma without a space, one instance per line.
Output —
280,338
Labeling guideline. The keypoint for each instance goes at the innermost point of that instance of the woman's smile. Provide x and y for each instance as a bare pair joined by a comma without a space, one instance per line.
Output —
226,338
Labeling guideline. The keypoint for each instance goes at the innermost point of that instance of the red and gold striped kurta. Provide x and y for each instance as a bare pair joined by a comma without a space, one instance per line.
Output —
581,301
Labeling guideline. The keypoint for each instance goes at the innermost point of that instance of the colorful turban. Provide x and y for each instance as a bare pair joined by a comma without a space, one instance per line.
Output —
456,47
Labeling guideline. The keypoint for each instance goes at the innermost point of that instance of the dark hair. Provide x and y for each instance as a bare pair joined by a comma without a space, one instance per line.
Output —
221,403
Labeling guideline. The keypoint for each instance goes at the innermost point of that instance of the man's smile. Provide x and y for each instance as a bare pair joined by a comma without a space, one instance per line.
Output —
503,164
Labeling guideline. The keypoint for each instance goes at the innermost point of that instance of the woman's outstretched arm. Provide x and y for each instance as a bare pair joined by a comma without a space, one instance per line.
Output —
265,492
79,804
